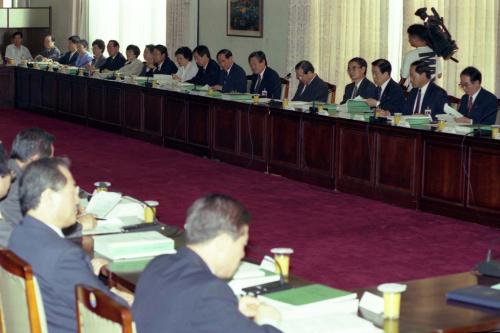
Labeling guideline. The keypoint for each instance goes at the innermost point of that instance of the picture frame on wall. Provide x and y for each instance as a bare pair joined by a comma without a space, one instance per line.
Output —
245,18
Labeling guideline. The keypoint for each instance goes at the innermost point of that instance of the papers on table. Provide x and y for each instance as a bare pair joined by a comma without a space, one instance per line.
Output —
250,275
451,111
107,226
133,245
330,323
102,203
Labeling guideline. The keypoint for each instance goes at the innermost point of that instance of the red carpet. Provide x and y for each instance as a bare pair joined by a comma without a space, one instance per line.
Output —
339,239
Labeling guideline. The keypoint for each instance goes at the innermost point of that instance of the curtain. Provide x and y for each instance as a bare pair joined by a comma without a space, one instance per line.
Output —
330,33
180,24
128,21
473,24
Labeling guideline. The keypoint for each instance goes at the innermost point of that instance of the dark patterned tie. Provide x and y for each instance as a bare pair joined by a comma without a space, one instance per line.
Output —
379,93
257,85
469,105
417,104
355,91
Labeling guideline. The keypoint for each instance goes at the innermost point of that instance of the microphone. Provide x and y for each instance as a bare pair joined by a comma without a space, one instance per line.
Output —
490,267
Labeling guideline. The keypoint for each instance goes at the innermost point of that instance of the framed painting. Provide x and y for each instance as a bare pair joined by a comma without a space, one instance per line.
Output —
245,18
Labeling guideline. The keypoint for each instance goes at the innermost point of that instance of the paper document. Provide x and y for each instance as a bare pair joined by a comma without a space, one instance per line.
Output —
102,203
451,111
336,323
109,226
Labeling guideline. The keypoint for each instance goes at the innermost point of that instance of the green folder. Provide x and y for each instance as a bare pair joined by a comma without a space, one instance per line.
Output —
309,294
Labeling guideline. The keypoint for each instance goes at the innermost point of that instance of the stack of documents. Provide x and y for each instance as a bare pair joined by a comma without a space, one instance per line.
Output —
356,105
312,300
102,203
332,323
133,245
108,226
236,97
249,275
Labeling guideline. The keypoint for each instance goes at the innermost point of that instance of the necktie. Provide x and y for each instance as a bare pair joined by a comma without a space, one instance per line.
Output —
379,93
257,84
469,105
355,91
417,104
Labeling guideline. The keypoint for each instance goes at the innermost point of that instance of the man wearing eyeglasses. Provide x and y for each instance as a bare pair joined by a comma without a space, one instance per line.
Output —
360,86
478,105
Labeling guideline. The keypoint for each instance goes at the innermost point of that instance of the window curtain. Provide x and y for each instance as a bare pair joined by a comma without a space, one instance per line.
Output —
181,24
330,33
473,24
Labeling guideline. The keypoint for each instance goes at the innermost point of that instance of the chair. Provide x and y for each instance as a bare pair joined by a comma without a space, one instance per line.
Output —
21,307
453,101
96,312
285,86
332,92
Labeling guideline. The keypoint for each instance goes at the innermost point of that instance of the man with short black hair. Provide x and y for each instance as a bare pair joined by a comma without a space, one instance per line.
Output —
164,65
390,97
265,80
232,77
360,85
16,51
116,60
478,105
188,286
311,88
69,58
208,70
426,97
28,146
49,200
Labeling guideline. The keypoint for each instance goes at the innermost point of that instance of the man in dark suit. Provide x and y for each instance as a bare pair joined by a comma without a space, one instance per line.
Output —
49,201
232,77
425,97
478,105
116,60
390,97
69,58
164,65
311,87
360,86
208,70
265,81
187,288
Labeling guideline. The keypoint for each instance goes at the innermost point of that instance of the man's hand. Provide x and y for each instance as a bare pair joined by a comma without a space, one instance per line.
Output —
372,102
88,221
217,87
267,314
383,113
248,306
463,120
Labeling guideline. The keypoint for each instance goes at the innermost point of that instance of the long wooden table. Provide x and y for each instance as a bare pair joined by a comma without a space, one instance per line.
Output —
421,169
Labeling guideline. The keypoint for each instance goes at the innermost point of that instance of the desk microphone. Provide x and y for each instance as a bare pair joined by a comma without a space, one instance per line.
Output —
490,267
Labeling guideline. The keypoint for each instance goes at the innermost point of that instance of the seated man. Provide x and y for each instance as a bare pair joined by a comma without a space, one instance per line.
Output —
311,87
116,60
49,200
232,77
5,181
360,86
69,58
149,61
188,286
478,105
50,50
426,97
16,51
208,70
164,65
84,56
133,66
390,97
265,81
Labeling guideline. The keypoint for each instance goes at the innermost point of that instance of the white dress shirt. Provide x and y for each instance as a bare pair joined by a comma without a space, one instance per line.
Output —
422,94
17,53
56,230
187,72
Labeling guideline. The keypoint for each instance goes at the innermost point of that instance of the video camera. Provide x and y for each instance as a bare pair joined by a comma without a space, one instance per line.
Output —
439,37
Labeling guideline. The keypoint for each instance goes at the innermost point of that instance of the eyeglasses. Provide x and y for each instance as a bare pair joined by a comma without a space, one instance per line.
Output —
353,68
464,84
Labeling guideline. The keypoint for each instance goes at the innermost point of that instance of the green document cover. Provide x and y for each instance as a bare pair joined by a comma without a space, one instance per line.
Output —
307,294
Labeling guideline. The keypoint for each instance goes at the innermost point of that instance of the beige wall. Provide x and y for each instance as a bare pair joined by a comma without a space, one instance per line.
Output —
274,42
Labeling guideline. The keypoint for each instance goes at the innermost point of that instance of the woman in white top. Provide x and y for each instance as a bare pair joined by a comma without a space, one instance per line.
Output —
187,67
133,66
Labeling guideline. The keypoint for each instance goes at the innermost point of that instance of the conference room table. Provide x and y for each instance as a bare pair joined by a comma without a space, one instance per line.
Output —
424,308
417,168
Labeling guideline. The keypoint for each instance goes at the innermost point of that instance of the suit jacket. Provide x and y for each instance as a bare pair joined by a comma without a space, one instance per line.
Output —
114,64
146,71
366,90
484,110
316,90
435,98
168,67
270,81
393,98
209,75
189,297
235,81
10,206
59,265
67,59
